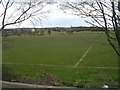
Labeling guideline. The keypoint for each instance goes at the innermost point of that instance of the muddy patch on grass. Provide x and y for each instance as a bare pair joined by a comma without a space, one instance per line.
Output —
46,80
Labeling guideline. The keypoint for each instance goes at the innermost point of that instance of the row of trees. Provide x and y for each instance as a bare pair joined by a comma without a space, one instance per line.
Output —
102,13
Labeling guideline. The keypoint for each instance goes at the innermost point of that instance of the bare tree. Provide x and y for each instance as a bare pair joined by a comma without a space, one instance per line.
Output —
17,11
103,13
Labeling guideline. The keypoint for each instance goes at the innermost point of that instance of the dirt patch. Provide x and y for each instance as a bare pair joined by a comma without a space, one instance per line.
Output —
49,80
42,80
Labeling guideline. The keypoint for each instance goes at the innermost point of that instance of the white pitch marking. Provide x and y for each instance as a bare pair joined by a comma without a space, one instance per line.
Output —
104,67
45,65
40,65
83,56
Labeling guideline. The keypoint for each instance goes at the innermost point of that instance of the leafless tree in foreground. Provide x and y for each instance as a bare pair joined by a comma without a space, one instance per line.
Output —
103,13
17,11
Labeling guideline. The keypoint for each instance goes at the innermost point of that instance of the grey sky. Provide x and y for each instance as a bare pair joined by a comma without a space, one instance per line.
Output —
56,18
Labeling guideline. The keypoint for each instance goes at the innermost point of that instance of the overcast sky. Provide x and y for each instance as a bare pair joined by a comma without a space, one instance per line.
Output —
56,18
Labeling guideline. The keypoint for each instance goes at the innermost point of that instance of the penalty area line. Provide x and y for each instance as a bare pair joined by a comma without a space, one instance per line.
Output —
83,57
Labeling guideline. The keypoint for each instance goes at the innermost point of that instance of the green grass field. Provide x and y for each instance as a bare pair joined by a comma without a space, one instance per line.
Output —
83,59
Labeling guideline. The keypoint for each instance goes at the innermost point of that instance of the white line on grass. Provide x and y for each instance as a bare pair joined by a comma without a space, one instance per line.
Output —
83,57
100,67
46,65
105,67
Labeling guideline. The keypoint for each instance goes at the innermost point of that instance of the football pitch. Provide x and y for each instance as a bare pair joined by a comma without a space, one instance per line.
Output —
81,59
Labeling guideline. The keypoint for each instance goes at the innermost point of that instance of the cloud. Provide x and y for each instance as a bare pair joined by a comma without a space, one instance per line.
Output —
62,19
58,18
